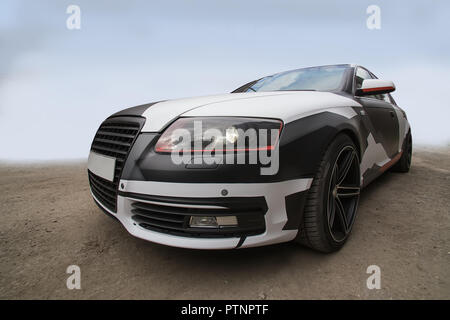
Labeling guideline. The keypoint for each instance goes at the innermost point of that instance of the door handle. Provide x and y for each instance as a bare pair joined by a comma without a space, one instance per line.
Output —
392,114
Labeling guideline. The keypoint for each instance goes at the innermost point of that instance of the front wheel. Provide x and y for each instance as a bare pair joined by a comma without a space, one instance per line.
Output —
332,201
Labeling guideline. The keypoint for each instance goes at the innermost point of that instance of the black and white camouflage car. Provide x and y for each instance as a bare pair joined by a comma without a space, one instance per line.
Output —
281,158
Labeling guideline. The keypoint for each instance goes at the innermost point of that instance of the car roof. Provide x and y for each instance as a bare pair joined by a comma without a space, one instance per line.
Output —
321,66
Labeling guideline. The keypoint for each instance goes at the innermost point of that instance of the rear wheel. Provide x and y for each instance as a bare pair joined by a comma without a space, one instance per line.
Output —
404,163
332,200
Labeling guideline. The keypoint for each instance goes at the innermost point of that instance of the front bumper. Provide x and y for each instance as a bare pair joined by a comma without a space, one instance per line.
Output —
284,201
154,199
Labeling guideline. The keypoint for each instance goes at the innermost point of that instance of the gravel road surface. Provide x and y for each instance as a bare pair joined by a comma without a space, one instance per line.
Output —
49,221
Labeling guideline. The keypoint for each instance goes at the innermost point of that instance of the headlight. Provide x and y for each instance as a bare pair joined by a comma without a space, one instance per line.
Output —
220,134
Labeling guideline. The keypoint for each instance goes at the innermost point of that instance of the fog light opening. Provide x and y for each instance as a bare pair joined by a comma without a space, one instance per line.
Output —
203,222
213,222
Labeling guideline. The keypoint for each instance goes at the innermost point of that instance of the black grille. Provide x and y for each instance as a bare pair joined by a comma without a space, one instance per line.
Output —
114,138
163,214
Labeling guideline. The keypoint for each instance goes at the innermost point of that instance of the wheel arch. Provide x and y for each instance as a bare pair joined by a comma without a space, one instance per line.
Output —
304,141
349,132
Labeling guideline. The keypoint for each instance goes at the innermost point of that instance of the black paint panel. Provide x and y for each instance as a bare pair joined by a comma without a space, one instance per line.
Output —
134,111
384,123
294,209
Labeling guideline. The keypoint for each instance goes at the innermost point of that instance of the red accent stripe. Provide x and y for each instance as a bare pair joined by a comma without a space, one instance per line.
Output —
218,150
391,162
377,89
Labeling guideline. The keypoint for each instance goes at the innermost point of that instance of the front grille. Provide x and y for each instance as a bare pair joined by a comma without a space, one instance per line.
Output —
114,138
171,215
104,190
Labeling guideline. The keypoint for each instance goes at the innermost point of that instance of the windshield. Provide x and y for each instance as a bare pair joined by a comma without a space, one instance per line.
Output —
327,78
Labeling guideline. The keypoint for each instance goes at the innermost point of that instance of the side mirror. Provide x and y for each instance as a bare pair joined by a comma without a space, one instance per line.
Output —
375,86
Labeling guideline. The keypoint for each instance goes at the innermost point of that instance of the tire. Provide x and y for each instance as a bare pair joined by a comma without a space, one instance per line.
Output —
404,163
319,229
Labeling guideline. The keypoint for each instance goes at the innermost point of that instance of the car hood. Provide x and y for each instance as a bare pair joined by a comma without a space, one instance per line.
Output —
287,106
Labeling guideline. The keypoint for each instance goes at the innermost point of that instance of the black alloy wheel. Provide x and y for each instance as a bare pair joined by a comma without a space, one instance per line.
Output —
332,201
343,194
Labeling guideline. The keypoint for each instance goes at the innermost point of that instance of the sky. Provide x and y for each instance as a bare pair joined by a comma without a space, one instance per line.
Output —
57,85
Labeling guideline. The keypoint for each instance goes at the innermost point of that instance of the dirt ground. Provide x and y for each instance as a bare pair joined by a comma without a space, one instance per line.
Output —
49,221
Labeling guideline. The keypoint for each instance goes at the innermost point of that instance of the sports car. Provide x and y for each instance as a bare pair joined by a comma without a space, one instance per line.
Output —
281,158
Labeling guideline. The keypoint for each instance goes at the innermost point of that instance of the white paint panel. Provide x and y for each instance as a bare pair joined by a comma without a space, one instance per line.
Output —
213,190
160,114
287,106
376,83
275,217
101,165
374,154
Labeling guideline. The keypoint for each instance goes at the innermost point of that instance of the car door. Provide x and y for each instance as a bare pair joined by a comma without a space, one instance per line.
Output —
381,113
